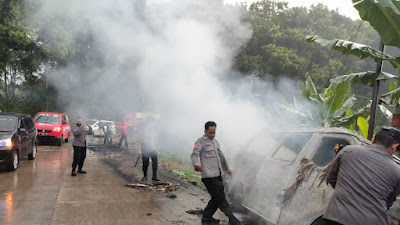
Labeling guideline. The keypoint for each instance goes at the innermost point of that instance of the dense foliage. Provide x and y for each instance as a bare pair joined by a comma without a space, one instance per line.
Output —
277,48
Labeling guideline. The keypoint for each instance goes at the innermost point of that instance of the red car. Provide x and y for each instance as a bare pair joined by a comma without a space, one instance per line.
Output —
51,125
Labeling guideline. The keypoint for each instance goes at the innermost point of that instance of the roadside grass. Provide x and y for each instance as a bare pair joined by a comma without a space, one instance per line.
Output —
180,166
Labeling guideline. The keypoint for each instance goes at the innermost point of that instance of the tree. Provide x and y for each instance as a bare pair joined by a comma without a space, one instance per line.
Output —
384,16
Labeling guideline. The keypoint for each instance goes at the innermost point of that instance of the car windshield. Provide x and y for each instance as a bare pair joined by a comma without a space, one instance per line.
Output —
44,118
7,124
291,147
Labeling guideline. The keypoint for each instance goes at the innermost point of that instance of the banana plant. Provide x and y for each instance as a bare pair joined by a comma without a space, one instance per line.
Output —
384,17
331,107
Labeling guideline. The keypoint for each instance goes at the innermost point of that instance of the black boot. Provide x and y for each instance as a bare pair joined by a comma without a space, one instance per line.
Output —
81,171
234,221
144,178
73,173
209,220
155,176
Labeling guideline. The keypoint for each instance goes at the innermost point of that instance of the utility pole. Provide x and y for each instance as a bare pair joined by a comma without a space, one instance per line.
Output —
375,94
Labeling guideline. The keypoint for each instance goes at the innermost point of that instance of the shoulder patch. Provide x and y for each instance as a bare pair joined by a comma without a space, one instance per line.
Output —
196,145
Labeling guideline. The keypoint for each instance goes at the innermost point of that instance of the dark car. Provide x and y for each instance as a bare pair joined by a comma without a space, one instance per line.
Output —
17,139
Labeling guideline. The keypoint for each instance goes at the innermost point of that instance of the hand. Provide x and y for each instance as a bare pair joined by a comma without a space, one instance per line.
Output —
198,168
229,172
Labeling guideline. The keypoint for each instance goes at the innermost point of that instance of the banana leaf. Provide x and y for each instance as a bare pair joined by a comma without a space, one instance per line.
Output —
351,118
363,78
392,98
344,108
353,48
336,98
363,125
384,17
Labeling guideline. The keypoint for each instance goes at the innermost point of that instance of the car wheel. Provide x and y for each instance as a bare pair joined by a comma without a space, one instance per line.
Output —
13,164
67,139
59,141
34,151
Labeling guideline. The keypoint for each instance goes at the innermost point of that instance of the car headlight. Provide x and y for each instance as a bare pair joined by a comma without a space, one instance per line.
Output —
57,129
6,142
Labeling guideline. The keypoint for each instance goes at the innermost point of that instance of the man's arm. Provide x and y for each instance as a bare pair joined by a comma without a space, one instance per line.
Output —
77,131
334,169
224,164
392,197
90,131
196,156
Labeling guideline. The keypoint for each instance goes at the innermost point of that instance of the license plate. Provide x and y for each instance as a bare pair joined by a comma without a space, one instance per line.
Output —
43,134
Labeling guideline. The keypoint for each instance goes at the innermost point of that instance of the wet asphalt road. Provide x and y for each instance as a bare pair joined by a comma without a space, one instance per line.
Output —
42,191
28,195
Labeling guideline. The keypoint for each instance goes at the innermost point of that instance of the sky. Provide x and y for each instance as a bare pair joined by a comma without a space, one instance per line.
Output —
345,7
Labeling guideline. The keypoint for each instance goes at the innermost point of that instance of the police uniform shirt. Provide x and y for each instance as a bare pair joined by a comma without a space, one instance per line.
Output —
367,183
207,153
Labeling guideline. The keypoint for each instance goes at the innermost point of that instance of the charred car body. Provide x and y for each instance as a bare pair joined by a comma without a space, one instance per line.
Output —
280,176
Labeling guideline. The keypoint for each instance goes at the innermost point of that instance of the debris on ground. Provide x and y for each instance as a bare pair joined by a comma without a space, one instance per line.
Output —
171,196
160,187
195,212
148,214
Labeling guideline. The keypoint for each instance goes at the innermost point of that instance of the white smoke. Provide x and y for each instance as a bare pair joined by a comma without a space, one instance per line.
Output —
167,57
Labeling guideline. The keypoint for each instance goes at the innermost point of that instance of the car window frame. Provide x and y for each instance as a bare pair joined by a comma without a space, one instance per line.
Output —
63,120
318,140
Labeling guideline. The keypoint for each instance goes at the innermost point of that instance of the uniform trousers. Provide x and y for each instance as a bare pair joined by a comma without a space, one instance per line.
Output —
215,187
146,155
322,221
79,157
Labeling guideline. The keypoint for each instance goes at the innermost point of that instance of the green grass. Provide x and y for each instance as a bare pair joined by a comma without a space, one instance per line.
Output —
180,166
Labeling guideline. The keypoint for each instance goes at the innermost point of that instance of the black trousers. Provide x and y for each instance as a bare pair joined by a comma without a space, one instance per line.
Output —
322,221
215,187
108,137
79,157
146,155
123,138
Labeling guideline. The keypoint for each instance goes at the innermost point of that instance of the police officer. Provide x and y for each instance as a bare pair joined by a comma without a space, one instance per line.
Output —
80,132
208,158
366,181
147,146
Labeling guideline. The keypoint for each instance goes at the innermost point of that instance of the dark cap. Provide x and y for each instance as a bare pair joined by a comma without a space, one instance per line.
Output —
391,131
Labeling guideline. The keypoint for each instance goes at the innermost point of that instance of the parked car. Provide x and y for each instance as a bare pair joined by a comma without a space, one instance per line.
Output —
97,131
279,176
51,125
17,139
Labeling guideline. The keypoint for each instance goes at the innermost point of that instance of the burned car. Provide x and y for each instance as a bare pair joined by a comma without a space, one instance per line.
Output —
280,176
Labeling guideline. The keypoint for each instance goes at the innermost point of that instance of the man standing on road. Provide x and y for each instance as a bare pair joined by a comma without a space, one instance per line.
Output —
124,136
80,132
108,134
366,181
208,158
148,148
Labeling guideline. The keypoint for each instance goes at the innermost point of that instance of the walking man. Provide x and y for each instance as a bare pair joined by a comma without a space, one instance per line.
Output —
80,132
108,134
208,158
366,181
124,136
148,148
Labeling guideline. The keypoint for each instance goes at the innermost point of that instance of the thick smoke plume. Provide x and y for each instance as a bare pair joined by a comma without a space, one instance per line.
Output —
168,57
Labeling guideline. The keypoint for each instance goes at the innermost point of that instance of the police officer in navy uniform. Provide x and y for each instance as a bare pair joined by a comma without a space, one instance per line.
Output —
208,158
